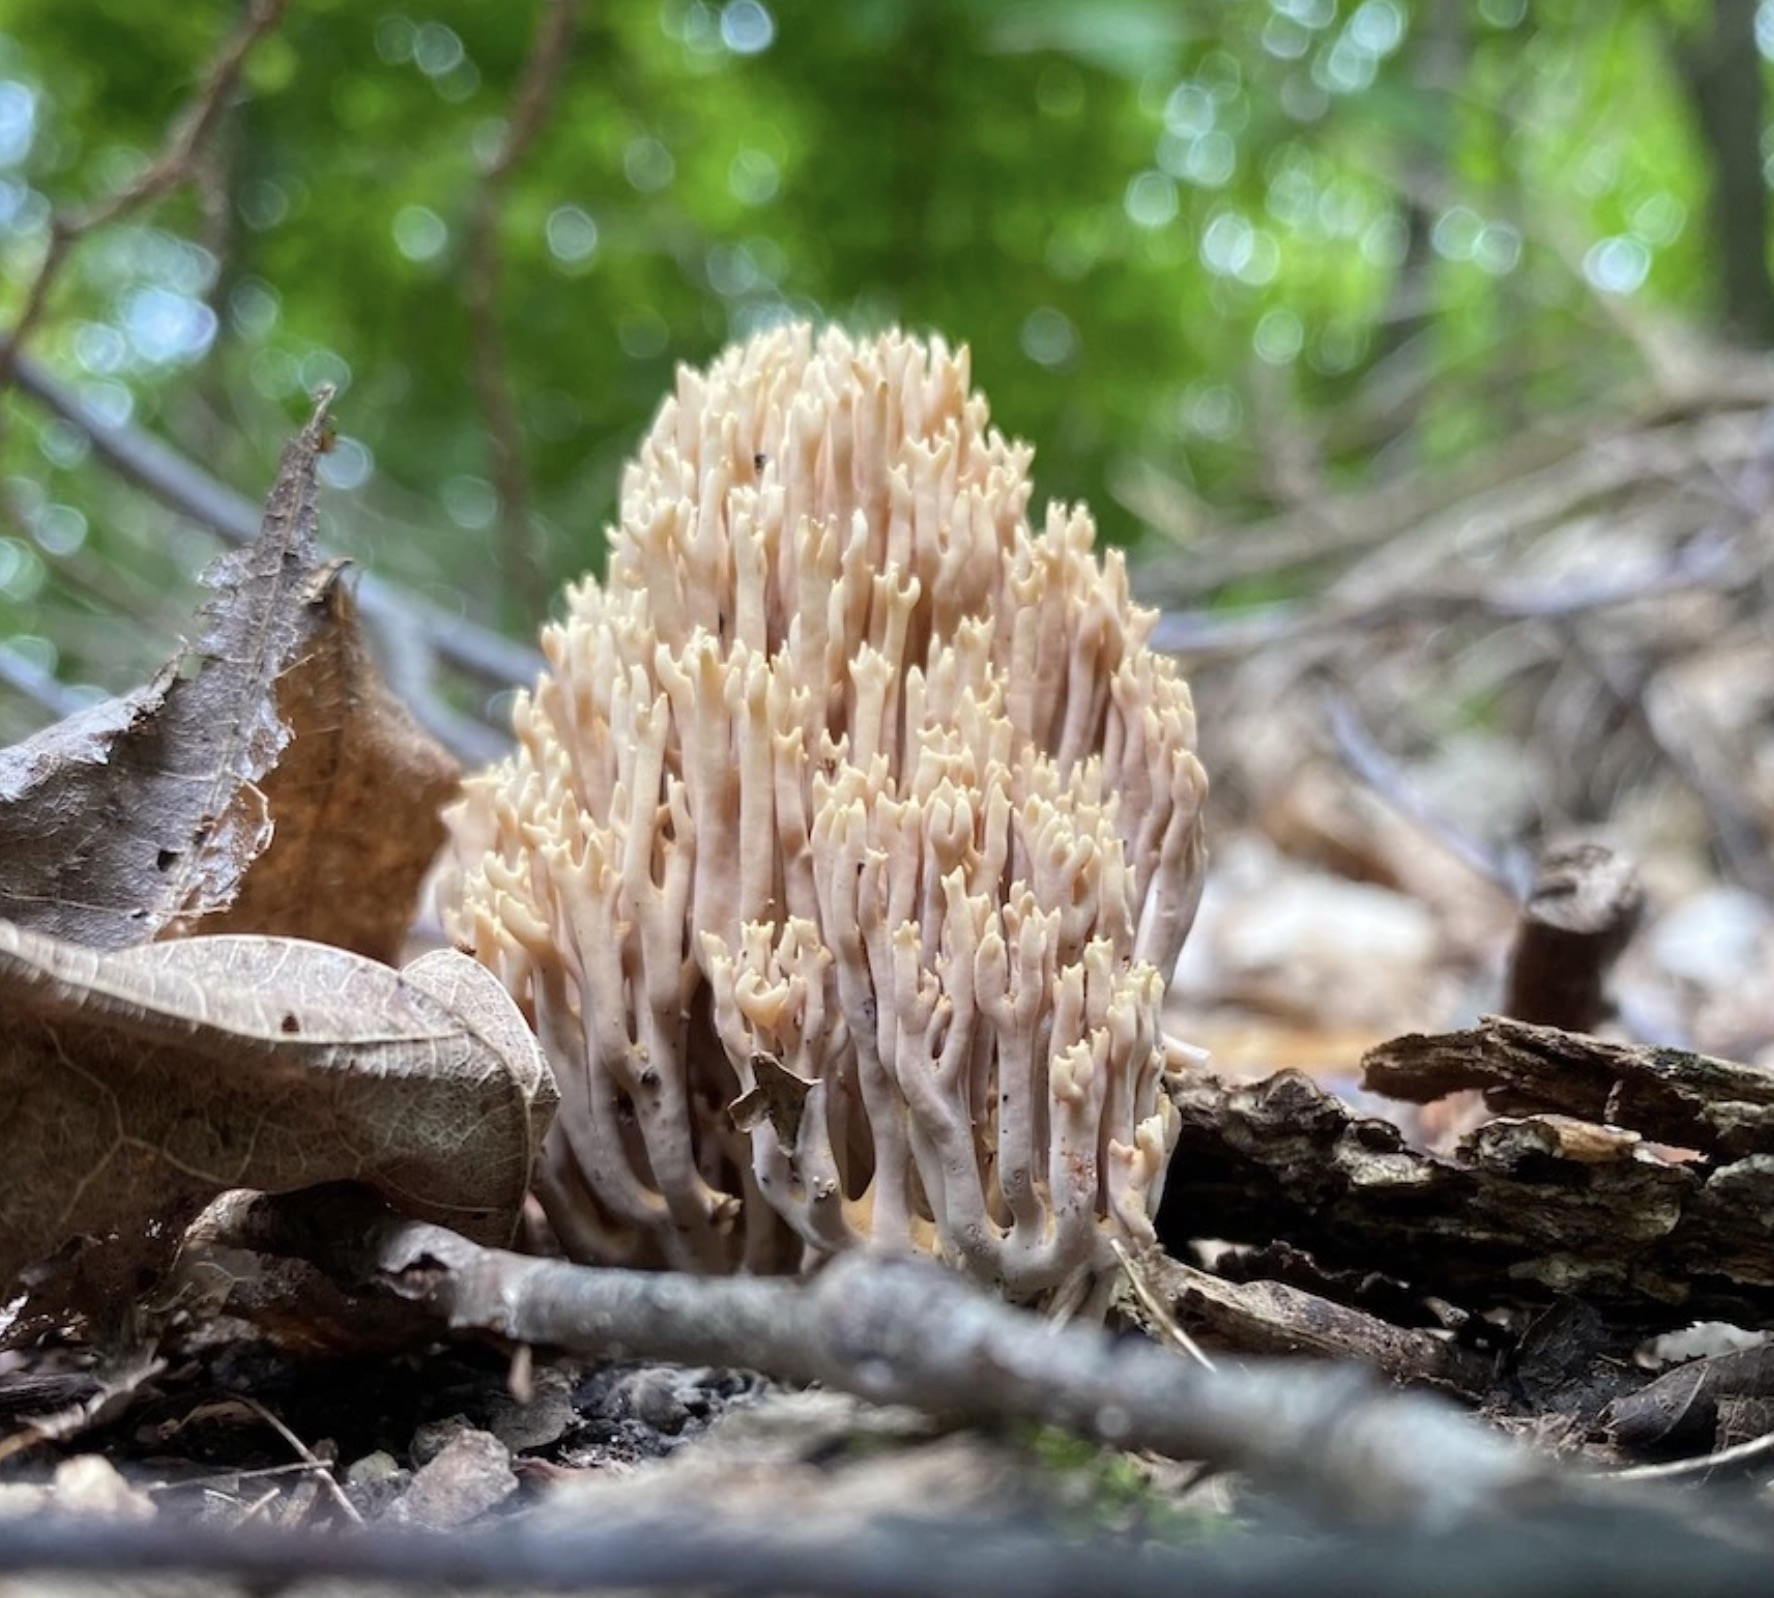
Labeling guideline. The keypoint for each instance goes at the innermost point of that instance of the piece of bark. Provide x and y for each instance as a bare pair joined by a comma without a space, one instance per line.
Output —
1585,905
1671,1096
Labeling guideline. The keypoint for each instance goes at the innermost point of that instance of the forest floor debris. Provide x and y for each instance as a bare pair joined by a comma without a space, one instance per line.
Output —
1519,1216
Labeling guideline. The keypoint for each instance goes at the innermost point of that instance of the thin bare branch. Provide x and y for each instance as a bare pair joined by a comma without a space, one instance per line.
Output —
320,1471
1530,486
1358,750
658,1553
26,678
1630,1547
182,485
1709,560
1645,692
175,165
411,633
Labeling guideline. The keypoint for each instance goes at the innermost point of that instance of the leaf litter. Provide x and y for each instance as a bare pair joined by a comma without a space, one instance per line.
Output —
205,881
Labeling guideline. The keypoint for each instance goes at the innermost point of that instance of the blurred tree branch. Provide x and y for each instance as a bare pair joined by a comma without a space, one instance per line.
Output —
903,1330
1720,65
531,104
1633,1546
412,634
176,164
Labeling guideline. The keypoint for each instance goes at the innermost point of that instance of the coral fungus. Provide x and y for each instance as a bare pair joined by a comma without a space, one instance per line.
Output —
849,842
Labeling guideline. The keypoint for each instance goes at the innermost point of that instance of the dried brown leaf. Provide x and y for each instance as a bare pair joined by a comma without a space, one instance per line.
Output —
142,815
355,799
780,1097
1682,1409
139,1083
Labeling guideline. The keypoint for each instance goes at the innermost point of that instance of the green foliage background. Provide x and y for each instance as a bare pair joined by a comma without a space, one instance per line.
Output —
1175,233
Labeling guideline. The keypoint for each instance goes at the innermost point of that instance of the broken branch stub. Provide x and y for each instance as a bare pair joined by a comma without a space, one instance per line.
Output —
1586,902
140,1083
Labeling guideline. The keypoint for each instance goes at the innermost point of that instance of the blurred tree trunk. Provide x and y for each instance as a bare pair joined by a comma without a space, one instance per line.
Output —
1403,360
1721,69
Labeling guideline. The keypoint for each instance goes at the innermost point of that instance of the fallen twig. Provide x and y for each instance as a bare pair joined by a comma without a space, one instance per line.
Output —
1359,751
1707,560
1739,1458
1517,491
1627,1550
906,1331
319,1470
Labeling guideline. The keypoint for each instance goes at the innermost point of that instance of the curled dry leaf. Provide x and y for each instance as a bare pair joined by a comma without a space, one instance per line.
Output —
1683,1408
355,799
266,769
139,1083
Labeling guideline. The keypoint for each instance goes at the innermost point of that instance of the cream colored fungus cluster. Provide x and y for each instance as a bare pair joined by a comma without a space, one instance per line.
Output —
850,840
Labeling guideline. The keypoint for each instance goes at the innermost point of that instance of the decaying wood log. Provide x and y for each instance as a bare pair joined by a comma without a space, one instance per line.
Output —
1526,1211
1718,1107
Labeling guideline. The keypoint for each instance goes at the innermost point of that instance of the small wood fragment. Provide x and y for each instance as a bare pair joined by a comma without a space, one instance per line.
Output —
1272,1318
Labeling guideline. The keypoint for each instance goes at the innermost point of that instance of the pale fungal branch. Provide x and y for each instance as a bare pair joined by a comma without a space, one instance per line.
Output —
174,165
902,1330
534,98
